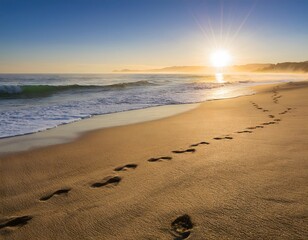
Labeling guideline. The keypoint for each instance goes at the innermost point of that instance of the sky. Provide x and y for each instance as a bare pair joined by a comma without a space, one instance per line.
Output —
92,36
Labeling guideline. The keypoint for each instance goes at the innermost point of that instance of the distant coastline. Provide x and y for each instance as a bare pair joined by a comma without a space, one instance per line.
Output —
294,67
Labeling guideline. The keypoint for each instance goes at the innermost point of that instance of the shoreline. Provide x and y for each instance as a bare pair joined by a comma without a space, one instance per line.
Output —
69,132
64,132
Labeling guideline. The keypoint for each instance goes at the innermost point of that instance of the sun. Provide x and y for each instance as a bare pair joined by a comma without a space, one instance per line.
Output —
220,58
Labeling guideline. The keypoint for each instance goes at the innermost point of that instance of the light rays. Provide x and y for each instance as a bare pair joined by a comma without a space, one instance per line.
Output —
224,35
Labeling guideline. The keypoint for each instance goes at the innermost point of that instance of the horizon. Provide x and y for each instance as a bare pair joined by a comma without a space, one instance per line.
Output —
103,36
231,69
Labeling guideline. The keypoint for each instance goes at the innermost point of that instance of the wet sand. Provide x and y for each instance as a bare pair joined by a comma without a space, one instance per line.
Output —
69,132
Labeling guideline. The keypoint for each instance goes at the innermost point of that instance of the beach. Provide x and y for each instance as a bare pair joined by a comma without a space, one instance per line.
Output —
226,169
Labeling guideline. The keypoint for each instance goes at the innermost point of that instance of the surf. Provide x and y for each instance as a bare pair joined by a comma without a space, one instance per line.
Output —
32,91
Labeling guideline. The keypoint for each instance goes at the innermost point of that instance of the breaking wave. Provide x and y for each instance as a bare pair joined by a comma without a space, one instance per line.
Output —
32,91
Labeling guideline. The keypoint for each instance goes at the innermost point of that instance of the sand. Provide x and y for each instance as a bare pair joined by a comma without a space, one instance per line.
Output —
228,169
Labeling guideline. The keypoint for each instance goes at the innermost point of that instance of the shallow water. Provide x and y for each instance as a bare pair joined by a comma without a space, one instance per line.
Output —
32,103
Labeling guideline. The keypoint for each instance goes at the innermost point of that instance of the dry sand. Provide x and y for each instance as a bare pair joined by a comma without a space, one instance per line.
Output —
229,169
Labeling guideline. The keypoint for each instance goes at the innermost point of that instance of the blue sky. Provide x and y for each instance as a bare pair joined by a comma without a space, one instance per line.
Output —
102,35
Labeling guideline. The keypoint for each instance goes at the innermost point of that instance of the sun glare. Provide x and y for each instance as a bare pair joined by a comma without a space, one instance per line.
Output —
220,58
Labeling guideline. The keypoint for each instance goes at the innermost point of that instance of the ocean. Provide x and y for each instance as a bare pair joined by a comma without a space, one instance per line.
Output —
35,102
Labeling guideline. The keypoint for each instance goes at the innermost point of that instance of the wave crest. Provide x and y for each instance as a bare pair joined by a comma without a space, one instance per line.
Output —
24,91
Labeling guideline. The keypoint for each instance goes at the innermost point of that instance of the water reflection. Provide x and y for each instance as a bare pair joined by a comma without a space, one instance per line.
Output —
219,77
222,92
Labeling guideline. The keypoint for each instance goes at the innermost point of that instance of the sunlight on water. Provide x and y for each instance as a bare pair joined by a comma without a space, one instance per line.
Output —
222,92
219,77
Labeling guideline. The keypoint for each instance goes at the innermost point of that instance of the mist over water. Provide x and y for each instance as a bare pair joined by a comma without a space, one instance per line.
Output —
31,103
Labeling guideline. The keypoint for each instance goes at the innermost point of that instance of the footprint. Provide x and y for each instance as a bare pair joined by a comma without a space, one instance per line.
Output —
197,144
271,116
217,138
181,227
159,159
16,222
251,128
259,127
126,167
108,181
58,192
191,150
276,97
265,110
277,119
194,145
245,131
269,123
221,138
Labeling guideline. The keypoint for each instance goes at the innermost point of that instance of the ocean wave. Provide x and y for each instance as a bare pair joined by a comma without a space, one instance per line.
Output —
204,85
25,91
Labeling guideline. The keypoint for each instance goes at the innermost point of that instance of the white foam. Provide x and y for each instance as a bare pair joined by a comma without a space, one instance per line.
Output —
10,89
